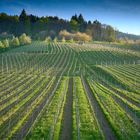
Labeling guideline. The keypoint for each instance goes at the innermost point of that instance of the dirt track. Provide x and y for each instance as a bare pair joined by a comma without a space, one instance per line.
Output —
108,133
67,116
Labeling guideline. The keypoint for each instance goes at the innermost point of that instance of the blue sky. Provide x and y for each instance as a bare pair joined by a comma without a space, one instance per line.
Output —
121,14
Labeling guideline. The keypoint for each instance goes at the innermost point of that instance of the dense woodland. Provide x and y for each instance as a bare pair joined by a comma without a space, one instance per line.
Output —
41,27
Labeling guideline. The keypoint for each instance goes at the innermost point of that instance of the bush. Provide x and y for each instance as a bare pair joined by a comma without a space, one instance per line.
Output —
40,35
1,45
75,36
24,39
48,39
6,35
63,40
66,35
82,37
55,40
6,43
71,41
15,42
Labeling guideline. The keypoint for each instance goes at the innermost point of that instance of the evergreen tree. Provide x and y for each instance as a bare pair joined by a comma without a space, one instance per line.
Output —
81,19
24,22
23,16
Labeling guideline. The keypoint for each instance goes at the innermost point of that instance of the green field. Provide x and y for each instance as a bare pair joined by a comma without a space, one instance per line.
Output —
62,91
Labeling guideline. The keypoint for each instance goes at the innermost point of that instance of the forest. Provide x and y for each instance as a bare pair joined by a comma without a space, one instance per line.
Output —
41,27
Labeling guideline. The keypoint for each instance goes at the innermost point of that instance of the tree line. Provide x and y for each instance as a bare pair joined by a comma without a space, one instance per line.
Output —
41,27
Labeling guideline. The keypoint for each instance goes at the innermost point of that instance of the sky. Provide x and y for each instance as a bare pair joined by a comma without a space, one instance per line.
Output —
123,15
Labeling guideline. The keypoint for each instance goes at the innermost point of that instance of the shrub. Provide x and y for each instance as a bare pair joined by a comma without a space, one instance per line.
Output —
48,39
66,35
63,40
1,45
40,35
55,40
6,35
82,37
15,42
71,40
75,36
6,43
24,39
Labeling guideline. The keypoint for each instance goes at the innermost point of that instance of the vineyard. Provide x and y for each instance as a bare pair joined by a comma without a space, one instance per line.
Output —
65,91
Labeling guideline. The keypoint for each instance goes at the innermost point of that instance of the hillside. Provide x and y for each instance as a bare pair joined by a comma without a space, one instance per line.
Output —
69,91
129,36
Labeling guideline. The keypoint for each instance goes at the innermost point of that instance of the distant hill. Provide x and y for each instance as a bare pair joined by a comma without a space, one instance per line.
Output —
126,35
